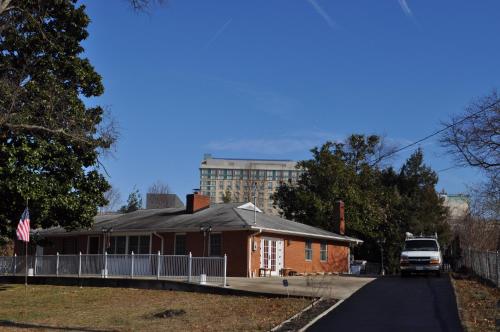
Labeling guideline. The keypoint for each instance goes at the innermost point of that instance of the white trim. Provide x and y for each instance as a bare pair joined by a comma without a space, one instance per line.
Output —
330,237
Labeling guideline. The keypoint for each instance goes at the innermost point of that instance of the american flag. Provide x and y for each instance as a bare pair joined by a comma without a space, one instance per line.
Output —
23,229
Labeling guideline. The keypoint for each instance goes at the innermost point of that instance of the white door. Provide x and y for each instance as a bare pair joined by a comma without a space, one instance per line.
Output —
271,255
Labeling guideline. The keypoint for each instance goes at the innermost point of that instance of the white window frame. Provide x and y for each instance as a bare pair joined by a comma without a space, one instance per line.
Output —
325,251
307,250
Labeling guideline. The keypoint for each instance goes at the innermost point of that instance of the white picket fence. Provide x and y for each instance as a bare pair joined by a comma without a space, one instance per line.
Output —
176,267
485,264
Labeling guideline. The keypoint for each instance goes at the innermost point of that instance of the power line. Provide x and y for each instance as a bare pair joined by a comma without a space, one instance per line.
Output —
431,135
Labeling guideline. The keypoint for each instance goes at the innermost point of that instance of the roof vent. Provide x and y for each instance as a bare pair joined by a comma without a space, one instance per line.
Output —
250,207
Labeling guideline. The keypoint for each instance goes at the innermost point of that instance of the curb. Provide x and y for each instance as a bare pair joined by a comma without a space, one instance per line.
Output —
296,315
324,313
457,301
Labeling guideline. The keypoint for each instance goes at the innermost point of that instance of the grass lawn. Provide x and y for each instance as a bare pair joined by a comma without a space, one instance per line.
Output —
126,309
477,303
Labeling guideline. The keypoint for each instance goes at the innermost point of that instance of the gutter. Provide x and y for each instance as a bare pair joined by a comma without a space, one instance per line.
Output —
330,237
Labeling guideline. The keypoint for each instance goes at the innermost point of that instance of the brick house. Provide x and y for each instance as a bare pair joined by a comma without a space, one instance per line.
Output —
252,240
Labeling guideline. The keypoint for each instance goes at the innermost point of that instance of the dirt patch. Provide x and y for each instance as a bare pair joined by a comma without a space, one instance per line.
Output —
306,316
477,303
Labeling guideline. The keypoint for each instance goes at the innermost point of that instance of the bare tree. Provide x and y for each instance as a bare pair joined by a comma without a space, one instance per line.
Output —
159,187
145,5
477,233
473,138
113,197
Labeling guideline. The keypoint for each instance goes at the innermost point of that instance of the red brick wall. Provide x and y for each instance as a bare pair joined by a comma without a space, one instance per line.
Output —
294,252
235,246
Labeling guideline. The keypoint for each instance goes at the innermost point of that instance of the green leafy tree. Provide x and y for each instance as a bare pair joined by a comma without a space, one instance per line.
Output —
50,141
134,202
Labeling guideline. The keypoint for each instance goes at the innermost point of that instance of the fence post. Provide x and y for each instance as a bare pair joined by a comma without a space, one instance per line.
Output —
57,264
158,266
225,270
132,265
190,266
34,268
15,264
80,264
498,279
105,272
488,275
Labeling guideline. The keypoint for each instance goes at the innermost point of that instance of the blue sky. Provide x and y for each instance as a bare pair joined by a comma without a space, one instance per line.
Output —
272,79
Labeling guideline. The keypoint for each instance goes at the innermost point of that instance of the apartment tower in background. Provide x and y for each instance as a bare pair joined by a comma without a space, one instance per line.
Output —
243,178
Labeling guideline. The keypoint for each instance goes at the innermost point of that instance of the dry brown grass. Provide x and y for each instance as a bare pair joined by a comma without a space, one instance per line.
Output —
125,309
477,304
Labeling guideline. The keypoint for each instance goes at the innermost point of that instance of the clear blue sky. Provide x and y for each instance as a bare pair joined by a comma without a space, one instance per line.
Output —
271,79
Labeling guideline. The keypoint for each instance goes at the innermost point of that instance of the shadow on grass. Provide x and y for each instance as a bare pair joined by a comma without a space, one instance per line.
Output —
8,323
4,287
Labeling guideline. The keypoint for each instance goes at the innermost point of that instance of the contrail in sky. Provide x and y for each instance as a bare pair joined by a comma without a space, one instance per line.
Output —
406,9
218,33
323,13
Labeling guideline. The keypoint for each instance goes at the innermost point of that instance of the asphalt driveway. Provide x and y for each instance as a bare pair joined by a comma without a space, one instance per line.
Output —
418,303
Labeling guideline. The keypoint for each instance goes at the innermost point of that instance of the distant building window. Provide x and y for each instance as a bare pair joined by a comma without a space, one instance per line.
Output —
180,244
309,250
323,252
215,245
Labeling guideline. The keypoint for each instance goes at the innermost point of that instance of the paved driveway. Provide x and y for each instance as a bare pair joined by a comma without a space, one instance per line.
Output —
338,287
396,304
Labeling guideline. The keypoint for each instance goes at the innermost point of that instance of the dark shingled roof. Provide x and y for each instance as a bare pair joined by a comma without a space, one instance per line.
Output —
219,216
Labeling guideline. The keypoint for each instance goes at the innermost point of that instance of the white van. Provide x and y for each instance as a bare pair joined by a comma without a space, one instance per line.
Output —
421,254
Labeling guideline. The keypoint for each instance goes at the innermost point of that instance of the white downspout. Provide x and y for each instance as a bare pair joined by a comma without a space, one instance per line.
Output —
250,249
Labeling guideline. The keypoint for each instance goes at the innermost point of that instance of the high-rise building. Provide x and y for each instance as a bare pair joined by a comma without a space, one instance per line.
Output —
240,179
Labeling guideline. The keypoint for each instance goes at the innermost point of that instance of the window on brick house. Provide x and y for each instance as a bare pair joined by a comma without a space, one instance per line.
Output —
180,244
309,250
215,245
323,252
138,244
117,245
69,246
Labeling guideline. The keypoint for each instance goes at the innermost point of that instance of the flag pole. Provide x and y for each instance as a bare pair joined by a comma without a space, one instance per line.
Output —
26,258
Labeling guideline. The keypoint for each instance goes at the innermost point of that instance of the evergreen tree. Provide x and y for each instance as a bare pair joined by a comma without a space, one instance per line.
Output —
134,202
50,141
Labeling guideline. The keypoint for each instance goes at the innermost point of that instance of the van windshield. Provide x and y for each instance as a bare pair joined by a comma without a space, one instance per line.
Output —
421,245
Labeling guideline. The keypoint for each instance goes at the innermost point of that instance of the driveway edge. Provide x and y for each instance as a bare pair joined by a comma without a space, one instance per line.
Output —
321,315
296,315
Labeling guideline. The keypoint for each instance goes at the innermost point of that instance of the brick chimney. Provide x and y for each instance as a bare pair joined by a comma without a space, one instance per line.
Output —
338,218
196,202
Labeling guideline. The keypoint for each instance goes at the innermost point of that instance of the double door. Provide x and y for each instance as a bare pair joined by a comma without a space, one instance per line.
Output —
271,254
